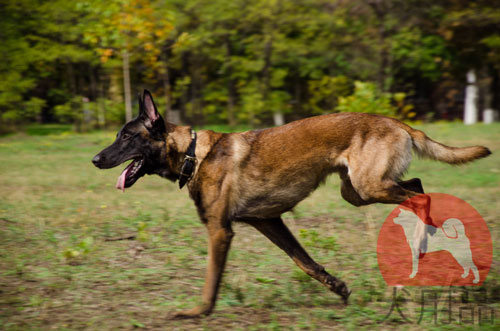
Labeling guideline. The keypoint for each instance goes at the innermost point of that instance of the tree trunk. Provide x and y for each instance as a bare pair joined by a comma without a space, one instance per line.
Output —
93,94
380,9
495,86
470,111
297,104
93,82
231,90
71,78
278,117
167,88
485,83
126,85
384,60
196,74
266,71
101,108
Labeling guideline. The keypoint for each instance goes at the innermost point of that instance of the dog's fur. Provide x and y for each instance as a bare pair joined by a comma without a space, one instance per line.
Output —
256,176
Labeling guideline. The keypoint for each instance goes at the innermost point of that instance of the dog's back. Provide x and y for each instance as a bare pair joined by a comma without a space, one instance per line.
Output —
283,165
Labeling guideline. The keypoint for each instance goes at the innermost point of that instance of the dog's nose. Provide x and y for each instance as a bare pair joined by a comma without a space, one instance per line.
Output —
96,160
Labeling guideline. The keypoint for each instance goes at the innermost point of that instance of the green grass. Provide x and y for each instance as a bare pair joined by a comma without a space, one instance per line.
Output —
58,269
47,129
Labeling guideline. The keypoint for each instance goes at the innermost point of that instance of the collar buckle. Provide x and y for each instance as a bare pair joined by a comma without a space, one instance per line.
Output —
188,174
189,163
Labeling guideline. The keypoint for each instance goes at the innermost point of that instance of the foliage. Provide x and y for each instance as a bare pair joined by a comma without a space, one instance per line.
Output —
136,25
367,99
325,92
414,51
239,61
33,44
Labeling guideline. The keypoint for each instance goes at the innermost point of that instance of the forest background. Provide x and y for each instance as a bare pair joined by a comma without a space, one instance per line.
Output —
243,62
77,254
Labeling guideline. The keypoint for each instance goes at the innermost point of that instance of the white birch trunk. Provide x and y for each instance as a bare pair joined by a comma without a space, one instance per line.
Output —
279,118
126,86
470,111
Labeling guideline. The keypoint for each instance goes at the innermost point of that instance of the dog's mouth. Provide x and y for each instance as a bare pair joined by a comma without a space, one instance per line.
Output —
131,174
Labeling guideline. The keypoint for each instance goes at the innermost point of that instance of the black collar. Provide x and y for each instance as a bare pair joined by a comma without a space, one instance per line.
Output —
189,163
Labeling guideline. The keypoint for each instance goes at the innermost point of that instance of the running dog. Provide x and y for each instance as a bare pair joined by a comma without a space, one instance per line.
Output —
256,176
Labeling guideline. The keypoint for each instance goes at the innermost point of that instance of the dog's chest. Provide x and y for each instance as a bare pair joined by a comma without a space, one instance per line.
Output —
265,204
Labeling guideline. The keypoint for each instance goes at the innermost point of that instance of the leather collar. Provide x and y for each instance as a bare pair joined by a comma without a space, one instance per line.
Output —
189,164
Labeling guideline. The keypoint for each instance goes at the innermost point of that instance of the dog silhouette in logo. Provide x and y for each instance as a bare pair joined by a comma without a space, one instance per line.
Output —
451,238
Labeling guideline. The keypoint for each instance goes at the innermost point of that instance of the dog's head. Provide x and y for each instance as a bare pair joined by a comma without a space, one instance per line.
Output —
141,140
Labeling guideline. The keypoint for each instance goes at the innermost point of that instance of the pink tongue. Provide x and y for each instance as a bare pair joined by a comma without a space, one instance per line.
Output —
120,184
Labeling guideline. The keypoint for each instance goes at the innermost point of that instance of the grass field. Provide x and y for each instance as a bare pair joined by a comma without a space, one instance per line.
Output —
75,253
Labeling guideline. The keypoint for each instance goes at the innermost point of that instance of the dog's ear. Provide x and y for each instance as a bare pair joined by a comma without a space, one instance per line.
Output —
148,109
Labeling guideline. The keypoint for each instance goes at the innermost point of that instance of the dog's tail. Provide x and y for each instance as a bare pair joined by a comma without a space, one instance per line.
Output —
453,228
426,147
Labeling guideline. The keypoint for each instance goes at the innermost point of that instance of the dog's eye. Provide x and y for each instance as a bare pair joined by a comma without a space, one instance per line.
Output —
125,135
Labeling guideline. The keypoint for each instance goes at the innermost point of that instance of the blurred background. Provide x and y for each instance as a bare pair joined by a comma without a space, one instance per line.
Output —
77,254
250,62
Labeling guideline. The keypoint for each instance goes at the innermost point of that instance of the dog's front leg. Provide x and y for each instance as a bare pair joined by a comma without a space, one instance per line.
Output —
280,235
218,246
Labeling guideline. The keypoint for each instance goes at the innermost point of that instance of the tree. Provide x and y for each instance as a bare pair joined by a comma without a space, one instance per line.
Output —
243,61
471,29
125,28
38,40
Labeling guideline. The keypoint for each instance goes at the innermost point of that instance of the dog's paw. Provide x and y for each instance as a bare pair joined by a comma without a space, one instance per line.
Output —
195,312
183,314
345,296
180,315
413,274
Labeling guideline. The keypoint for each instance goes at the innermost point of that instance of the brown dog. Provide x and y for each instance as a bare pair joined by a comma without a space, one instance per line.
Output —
256,176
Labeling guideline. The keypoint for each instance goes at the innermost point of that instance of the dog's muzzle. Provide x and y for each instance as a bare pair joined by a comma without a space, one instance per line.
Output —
97,160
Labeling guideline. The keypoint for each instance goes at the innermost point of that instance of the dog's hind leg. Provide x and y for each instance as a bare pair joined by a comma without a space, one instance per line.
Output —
348,192
375,168
280,235
420,204
413,184
388,191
